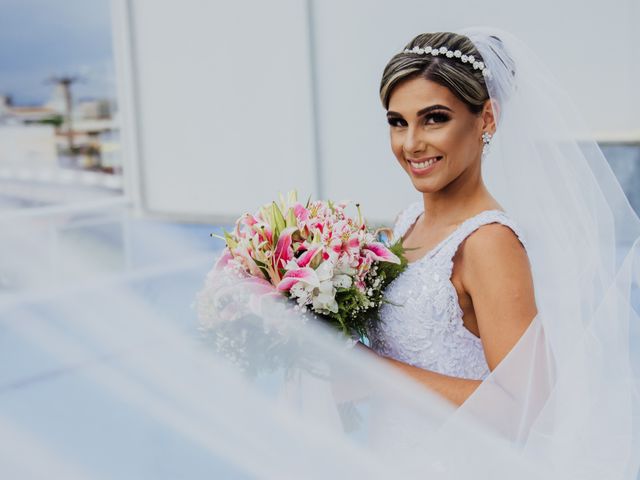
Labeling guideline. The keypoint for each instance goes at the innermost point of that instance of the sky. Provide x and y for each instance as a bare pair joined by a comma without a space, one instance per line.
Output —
42,38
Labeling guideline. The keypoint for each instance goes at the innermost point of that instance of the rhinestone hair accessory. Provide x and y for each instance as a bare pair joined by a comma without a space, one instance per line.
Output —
444,51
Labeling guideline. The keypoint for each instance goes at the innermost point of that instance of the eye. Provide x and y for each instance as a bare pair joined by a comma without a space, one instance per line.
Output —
436,117
396,122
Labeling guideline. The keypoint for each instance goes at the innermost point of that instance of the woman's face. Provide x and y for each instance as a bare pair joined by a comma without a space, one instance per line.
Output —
434,136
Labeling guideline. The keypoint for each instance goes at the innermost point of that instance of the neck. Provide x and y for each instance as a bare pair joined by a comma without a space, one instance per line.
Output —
462,198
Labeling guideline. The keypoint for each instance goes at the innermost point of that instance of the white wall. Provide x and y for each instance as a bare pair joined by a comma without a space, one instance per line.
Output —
222,103
217,142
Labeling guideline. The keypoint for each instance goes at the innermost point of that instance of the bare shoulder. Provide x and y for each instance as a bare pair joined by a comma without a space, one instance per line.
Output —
493,253
495,242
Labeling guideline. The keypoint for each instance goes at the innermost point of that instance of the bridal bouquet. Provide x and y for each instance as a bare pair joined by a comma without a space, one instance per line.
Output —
327,262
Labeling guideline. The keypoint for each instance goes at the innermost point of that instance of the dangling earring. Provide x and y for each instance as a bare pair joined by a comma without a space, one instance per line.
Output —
486,141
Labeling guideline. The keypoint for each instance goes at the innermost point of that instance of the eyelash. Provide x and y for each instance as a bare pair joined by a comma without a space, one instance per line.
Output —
437,117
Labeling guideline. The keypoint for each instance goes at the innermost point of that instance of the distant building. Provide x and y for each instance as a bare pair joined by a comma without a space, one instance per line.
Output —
12,115
27,146
93,109
39,134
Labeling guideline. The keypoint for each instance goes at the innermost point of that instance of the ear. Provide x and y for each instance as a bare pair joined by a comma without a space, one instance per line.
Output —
489,116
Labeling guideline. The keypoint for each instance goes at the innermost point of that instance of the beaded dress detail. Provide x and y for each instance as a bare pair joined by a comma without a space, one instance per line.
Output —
422,326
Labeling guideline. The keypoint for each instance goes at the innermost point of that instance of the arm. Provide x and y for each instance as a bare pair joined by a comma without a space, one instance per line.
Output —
454,389
495,272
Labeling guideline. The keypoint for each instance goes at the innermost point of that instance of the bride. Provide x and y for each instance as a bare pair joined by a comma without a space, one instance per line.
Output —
516,313
468,294
516,307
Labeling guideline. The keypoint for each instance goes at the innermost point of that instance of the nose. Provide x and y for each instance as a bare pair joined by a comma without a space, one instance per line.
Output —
413,141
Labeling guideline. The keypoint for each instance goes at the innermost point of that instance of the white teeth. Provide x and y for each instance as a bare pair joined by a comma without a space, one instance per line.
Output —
426,164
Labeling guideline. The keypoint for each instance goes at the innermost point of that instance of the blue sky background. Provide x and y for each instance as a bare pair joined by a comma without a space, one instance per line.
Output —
41,38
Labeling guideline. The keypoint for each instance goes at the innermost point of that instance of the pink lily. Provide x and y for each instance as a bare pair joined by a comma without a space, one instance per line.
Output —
224,259
283,252
301,213
351,245
292,277
248,219
248,262
306,257
381,253
266,229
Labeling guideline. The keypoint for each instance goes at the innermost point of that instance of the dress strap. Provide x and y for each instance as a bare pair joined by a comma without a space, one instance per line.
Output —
449,247
406,219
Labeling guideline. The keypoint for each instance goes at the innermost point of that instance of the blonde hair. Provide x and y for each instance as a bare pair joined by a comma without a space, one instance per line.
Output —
466,83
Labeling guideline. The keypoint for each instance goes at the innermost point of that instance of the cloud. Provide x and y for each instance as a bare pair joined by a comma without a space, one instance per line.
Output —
41,38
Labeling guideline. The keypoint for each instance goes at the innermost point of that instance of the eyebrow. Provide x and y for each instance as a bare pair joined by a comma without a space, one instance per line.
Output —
423,111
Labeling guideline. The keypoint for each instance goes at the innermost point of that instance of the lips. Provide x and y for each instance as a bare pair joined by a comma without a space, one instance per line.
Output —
423,164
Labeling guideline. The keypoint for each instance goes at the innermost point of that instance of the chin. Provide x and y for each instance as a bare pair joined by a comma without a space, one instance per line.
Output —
426,187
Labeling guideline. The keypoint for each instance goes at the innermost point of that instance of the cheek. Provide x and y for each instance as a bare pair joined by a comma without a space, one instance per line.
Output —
450,138
396,145
456,142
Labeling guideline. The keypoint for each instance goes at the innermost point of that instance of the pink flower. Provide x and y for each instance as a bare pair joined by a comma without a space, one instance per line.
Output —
223,260
292,277
307,256
301,213
249,264
283,252
381,253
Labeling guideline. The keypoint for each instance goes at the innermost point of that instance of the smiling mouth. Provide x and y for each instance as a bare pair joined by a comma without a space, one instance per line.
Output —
423,163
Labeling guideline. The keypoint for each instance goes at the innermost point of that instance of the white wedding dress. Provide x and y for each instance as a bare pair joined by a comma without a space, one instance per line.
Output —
422,323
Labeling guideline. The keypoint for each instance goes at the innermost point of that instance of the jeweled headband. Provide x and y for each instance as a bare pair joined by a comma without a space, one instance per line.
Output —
477,65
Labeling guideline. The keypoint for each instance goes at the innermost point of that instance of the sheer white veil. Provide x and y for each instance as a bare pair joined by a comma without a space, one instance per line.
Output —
569,389
109,374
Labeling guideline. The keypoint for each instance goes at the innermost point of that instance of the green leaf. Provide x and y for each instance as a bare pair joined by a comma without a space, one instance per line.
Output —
291,218
279,222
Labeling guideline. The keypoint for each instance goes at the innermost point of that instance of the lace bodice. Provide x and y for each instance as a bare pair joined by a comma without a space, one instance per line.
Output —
422,325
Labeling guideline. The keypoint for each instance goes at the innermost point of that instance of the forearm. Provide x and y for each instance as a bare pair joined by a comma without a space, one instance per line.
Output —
454,389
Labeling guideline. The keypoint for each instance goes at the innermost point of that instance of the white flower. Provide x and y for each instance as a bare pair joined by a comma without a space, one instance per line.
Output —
344,267
303,292
342,281
324,293
291,265
325,299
